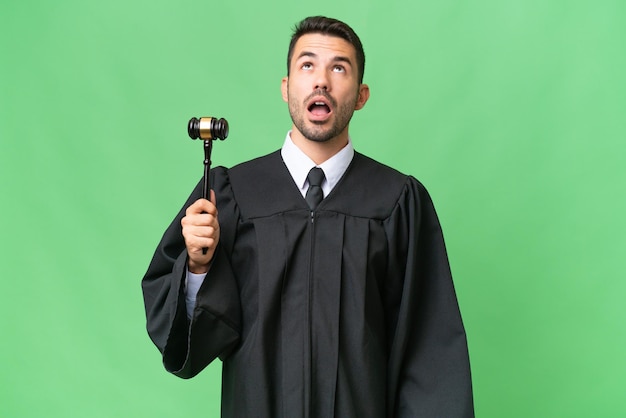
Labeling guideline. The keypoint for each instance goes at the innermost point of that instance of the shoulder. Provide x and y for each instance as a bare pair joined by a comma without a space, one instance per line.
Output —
372,189
378,173
261,187
385,176
265,163
245,172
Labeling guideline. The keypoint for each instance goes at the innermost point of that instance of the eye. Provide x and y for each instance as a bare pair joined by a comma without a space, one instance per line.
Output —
307,66
339,69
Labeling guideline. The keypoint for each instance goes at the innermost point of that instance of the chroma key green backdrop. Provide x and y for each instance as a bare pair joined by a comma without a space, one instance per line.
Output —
511,112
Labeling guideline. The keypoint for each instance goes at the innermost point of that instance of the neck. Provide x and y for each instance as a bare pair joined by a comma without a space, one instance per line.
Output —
319,151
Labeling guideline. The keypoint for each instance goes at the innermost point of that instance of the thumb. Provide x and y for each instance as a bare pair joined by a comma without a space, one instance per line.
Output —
213,199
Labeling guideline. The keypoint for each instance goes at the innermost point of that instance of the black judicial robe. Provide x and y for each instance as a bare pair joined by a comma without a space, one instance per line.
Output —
349,311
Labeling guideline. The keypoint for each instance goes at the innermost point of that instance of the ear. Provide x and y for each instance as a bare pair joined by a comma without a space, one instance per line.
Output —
284,88
364,95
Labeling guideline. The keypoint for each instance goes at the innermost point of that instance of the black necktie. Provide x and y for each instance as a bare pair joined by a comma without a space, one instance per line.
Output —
315,194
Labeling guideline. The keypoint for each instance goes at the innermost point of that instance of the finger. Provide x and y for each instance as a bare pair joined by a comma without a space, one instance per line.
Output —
197,244
200,219
201,206
192,232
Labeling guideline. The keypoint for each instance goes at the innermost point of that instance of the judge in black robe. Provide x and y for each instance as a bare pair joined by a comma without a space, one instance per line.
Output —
346,311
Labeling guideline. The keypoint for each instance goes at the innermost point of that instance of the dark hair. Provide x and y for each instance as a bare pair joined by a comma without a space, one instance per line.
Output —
331,27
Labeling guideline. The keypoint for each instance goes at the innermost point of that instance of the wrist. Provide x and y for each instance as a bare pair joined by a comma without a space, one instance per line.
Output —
197,268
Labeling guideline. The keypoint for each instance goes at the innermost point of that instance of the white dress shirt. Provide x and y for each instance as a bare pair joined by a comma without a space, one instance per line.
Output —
299,165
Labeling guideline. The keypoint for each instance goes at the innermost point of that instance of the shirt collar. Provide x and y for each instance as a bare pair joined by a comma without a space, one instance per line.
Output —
299,165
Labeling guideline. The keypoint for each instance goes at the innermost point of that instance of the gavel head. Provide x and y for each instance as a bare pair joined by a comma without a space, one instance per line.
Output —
207,128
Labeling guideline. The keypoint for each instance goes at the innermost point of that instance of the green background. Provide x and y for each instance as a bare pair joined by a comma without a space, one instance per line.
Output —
512,112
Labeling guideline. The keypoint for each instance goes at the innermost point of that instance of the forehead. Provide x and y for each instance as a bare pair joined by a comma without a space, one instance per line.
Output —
324,46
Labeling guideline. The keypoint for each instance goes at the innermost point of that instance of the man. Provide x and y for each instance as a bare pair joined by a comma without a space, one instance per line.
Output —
342,307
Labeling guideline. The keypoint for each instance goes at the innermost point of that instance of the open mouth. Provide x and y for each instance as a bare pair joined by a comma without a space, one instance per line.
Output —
319,109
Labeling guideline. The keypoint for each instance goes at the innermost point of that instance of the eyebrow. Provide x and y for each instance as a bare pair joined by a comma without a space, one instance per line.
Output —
337,58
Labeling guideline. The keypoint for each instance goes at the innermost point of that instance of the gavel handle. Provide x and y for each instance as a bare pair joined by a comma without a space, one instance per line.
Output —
206,187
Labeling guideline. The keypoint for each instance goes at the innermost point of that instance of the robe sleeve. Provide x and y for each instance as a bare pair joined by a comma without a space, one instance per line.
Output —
429,371
189,345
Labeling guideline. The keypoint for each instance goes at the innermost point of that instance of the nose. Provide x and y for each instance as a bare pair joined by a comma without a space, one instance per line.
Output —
321,81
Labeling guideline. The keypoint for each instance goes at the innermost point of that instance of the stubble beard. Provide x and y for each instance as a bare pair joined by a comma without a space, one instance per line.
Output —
320,131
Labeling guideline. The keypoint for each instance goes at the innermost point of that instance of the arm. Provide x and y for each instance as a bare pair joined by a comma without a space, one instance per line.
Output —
189,344
429,371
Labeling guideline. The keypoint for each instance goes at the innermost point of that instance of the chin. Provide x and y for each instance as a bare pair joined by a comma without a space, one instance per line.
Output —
319,139
317,136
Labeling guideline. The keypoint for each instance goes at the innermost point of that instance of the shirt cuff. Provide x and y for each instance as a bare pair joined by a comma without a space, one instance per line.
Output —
192,285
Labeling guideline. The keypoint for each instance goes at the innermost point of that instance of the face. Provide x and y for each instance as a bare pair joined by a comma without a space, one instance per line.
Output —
323,89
